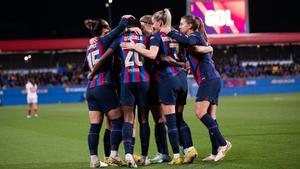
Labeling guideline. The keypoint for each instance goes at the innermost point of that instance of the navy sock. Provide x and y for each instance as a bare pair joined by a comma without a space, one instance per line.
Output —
173,132
106,142
145,137
185,132
157,138
127,137
93,139
133,143
213,127
178,122
163,138
116,133
214,143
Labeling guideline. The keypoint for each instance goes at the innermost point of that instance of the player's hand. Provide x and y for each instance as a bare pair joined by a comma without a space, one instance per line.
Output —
211,49
187,66
127,16
90,76
93,40
136,30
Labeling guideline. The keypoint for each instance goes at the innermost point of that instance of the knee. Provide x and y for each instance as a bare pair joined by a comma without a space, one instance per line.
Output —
200,114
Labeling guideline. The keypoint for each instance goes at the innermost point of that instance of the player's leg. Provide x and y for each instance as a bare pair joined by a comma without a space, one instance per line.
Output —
29,110
160,132
127,101
106,138
143,114
110,105
35,108
183,128
96,119
212,110
185,133
207,94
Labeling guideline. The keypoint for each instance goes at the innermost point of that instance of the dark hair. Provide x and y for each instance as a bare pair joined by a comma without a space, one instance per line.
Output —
31,81
132,22
95,26
197,25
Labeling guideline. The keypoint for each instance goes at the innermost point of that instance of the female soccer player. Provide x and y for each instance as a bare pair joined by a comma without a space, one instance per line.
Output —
32,98
162,154
101,95
172,83
209,82
134,87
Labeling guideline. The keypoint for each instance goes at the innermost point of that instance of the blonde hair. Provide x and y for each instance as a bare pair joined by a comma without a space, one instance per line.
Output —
146,19
163,15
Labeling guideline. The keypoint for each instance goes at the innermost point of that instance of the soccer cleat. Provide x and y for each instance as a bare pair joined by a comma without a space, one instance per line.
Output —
98,164
176,161
137,158
166,158
211,157
28,116
144,161
103,165
190,156
130,161
115,161
222,150
157,158
36,115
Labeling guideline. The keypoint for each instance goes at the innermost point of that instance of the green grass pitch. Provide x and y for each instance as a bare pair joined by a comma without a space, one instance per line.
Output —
264,131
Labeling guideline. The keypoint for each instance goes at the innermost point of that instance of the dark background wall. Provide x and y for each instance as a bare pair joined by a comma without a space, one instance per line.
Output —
64,19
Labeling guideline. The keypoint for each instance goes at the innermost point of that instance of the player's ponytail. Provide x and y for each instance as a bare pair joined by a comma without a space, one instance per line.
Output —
201,28
165,16
95,26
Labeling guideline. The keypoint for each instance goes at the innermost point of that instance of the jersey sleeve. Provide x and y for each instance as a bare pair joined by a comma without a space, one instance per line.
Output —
154,40
195,39
179,37
115,44
85,63
116,31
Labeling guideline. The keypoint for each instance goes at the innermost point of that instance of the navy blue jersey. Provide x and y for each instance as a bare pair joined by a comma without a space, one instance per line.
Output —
94,53
133,68
167,47
202,65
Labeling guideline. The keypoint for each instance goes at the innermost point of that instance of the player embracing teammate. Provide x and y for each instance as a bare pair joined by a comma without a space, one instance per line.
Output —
169,53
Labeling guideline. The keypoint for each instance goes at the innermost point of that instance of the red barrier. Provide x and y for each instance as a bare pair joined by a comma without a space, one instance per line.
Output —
81,43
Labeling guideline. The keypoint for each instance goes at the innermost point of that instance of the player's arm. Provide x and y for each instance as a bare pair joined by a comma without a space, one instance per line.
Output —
150,53
108,53
202,49
171,61
191,41
117,31
85,63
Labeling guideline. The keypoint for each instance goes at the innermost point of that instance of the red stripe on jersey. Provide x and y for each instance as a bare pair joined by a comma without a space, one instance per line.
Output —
127,74
94,81
137,74
102,78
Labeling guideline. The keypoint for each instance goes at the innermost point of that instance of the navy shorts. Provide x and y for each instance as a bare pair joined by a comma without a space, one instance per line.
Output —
134,94
209,91
173,91
102,98
153,94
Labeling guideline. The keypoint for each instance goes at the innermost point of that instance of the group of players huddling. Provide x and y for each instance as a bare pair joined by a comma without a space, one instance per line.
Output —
143,64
